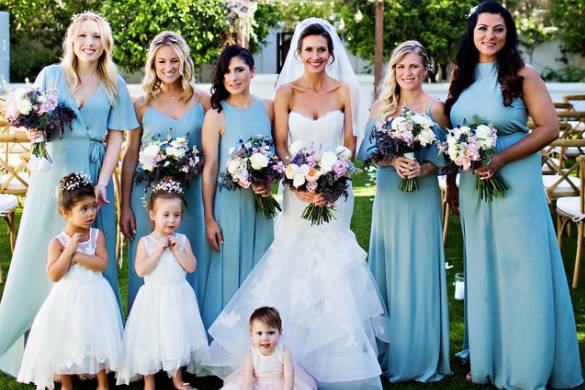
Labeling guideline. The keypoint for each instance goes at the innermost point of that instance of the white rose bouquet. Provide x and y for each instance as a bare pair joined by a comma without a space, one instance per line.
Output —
169,158
253,162
324,173
470,147
35,109
401,136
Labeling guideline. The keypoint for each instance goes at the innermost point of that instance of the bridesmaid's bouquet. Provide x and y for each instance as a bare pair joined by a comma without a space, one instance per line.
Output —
35,109
401,136
169,158
253,162
470,147
324,173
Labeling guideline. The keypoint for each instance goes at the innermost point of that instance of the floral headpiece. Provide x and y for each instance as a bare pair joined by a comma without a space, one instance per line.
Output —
168,185
471,11
74,181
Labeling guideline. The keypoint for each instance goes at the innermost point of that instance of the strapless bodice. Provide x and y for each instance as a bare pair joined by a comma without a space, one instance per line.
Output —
325,133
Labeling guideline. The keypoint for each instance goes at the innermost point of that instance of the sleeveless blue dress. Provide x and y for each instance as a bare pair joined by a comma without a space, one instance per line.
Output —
247,233
81,149
157,124
407,260
520,326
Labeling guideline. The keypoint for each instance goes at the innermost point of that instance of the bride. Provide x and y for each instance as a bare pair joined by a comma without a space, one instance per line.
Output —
314,275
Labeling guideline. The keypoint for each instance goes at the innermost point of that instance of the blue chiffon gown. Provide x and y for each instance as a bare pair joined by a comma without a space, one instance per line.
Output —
247,233
520,326
81,149
157,124
407,260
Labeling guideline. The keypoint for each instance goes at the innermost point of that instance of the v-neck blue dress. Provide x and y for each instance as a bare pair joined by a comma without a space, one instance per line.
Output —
81,149
156,124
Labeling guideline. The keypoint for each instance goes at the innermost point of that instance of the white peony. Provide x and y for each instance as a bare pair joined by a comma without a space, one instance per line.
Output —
176,152
233,166
258,161
24,106
464,130
343,152
147,156
327,160
291,171
295,147
398,122
485,137
299,177
426,137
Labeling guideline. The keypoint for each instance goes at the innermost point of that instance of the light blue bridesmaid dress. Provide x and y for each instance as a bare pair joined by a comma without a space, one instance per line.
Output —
154,125
247,233
520,326
406,258
81,149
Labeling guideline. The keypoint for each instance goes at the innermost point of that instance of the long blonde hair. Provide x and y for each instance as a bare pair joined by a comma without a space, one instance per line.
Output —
390,94
151,83
106,68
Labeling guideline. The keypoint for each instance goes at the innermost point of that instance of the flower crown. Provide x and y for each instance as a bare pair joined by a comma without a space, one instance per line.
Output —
74,181
168,185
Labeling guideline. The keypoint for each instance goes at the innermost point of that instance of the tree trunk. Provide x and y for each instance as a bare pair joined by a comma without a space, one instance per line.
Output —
379,49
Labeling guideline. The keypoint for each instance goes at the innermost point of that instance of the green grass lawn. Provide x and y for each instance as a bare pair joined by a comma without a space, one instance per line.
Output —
364,187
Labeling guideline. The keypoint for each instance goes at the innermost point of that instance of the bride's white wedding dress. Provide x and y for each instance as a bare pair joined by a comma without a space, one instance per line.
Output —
317,278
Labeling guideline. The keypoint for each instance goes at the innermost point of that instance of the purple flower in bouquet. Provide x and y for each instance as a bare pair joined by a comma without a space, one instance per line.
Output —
38,110
253,163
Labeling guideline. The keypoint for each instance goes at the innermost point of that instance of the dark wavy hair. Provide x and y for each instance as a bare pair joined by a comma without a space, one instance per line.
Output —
218,90
73,188
316,29
509,59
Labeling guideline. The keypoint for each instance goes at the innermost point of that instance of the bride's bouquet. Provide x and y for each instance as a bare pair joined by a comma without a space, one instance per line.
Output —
470,147
253,163
319,173
35,109
168,158
401,136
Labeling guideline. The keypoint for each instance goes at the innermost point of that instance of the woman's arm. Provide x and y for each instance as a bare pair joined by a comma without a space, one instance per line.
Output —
546,124
143,263
281,112
97,262
113,146
213,125
129,162
289,369
184,255
348,138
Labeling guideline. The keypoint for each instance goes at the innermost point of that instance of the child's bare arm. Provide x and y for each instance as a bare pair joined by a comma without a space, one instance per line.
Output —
289,369
97,262
248,373
60,258
185,256
143,263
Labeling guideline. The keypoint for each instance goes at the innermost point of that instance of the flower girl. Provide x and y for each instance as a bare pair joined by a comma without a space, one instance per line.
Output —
164,329
268,365
78,329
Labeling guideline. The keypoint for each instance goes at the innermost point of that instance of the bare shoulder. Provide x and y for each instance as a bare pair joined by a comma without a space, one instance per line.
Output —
439,114
528,73
269,106
285,91
204,98
55,244
376,108
139,104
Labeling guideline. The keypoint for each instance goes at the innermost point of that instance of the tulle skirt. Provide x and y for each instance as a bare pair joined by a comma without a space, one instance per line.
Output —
164,332
331,309
78,330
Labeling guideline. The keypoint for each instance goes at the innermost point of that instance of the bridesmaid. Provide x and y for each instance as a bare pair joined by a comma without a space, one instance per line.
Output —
520,327
406,249
171,105
87,82
237,232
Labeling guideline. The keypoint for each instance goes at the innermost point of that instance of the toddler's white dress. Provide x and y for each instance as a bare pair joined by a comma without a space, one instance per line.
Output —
164,329
78,329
